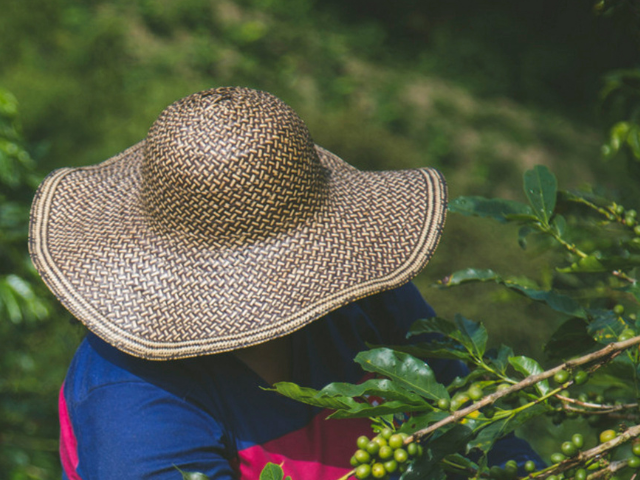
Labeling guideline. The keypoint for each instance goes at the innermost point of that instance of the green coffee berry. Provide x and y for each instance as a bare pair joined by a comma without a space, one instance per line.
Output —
362,442
580,377
362,456
396,441
385,452
444,404
363,471
412,449
578,440
569,449
633,462
626,334
561,376
400,455
475,392
373,447
607,435
390,466
511,468
378,470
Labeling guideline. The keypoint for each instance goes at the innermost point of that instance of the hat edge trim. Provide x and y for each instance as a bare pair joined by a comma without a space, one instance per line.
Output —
129,343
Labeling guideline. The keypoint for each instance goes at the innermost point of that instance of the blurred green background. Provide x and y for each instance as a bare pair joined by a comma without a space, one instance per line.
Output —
481,90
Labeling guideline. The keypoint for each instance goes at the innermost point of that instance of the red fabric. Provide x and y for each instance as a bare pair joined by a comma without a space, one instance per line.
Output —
335,439
68,442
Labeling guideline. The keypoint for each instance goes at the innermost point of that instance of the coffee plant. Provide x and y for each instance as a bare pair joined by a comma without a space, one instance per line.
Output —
594,355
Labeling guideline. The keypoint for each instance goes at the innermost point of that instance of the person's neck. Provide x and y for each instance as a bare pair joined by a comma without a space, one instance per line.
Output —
271,360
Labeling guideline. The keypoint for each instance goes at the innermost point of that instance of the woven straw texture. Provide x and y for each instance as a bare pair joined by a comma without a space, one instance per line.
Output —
226,227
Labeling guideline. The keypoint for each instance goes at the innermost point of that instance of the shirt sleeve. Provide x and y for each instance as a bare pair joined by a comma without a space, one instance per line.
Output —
137,430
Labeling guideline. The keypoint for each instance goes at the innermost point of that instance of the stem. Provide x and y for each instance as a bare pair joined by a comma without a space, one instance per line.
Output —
611,350
624,276
572,248
348,474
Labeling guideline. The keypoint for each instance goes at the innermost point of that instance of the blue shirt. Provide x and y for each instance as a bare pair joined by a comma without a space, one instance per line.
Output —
125,417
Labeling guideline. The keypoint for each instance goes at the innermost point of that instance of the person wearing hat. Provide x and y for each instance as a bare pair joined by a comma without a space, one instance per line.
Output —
223,253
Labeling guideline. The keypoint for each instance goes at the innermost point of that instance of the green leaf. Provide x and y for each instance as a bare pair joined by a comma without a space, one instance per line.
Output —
528,366
405,370
271,471
496,430
473,335
461,462
633,289
498,209
559,224
310,396
605,326
432,325
445,348
384,388
570,339
422,420
427,466
192,475
633,140
540,187
557,301
365,410
618,135
523,233
501,358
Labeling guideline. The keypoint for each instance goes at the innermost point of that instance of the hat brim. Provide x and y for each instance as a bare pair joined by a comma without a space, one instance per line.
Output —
161,296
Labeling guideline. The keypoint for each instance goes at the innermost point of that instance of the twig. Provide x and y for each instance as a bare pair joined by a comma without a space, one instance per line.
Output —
582,457
624,276
610,350
600,406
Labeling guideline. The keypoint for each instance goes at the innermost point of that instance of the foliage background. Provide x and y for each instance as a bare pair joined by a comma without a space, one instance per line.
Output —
481,90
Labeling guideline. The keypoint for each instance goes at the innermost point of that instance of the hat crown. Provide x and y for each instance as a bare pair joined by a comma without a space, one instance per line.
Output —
230,165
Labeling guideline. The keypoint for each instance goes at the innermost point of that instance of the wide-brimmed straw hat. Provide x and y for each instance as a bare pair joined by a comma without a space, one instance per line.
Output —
226,227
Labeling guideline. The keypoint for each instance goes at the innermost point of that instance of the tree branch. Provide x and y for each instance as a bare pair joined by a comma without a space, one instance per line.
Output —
608,352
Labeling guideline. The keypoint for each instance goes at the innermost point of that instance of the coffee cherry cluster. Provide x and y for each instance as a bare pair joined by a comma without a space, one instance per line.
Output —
383,454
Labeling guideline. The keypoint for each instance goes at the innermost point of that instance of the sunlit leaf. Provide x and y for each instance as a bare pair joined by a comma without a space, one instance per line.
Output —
405,370
271,471
528,366
384,388
470,275
310,396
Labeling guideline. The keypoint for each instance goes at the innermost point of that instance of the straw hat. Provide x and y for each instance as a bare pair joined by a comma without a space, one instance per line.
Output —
226,227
